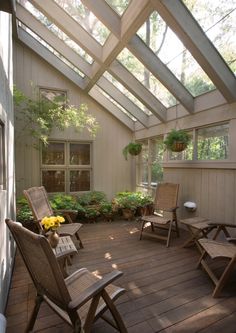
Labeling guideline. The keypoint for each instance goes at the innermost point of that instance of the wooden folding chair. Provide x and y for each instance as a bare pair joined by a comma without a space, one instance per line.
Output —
217,250
79,299
164,216
40,206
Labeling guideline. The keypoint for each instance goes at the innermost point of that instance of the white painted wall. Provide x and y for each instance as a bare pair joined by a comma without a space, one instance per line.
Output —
7,194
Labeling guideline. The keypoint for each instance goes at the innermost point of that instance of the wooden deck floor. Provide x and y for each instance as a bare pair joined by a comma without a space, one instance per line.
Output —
165,291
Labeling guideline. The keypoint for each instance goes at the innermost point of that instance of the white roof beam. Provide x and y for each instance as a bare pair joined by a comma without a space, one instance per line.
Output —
70,27
138,90
50,38
49,57
105,14
180,20
161,72
112,108
123,100
133,18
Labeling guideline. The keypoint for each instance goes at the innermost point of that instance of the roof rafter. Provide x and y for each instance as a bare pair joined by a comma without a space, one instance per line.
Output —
58,64
50,38
70,27
49,57
138,90
161,72
180,20
123,100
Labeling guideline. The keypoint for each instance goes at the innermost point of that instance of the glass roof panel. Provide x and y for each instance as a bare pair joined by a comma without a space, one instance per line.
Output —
86,18
119,5
58,32
126,92
168,47
51,49
116,103
146,78
218,19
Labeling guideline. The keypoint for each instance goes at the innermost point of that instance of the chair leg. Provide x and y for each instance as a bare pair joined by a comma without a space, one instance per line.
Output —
115,314
143,224
30,326
80,241
91,313
169,234
221,282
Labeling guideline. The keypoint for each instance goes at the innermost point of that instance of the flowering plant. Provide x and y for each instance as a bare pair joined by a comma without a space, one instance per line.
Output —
52,222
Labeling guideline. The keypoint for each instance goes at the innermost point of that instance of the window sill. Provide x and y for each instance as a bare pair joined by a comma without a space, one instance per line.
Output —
200,164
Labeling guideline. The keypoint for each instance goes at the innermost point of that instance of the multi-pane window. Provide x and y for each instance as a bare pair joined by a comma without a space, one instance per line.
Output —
213,142
2,157
66,167
149,167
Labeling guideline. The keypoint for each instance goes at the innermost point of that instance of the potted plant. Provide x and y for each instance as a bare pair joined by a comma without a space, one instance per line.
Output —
106,210
128,203
177,140
145,204
133,148
64,202
91,214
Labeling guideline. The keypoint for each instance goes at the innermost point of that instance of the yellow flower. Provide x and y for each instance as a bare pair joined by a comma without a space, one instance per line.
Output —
52,222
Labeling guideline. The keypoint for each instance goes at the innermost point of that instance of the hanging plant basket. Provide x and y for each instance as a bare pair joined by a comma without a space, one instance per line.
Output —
177,140
133,148
178,146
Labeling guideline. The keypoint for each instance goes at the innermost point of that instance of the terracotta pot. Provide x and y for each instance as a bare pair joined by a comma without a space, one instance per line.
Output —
128,214
53,239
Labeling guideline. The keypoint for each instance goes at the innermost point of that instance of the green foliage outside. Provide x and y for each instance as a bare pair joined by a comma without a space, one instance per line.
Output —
23,211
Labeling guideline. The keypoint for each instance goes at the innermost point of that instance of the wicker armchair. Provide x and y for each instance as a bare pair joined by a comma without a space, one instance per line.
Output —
40,206
164,217
79,299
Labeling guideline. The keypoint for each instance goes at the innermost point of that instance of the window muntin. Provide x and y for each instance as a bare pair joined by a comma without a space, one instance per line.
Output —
66,167
213,142
149,167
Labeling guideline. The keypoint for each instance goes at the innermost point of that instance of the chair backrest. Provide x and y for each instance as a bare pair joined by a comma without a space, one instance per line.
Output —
38,201
166,196
41,264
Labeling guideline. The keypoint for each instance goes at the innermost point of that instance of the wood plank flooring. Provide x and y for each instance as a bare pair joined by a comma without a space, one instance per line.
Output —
165,291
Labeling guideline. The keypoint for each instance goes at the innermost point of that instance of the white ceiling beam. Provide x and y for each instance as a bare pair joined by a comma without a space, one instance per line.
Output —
135,15
138,90
70,27
123,100
161,72
180,20
112,108
49,57
50,38
105,14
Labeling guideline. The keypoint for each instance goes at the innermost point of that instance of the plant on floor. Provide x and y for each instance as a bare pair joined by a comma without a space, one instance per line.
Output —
133,148
91,198
106,210
23,211
177,140
128,203
39,116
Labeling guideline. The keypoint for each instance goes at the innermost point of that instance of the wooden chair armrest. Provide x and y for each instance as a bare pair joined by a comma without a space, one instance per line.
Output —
231,240
172,209
94,289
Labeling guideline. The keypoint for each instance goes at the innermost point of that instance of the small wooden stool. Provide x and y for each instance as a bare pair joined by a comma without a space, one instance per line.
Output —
199,227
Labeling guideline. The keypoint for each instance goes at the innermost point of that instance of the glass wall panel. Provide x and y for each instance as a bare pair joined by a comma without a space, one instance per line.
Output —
119,5
79,180
79,154
168,47
53,154
213,142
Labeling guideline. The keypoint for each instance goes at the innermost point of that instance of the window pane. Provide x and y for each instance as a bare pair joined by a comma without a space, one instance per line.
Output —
53,180
156,154
54,154
79,180
79,154
2,157
213,142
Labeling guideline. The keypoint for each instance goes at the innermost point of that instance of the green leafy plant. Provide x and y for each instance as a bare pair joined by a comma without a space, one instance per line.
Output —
63,201
40,116
91,213
133,148
177,140
106,208
91,198
23,211
127,200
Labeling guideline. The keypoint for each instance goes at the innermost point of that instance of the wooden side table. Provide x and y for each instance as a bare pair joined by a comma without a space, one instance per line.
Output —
198,227
63,252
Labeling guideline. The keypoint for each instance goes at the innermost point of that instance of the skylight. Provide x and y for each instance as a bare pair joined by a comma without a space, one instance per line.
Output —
119,6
